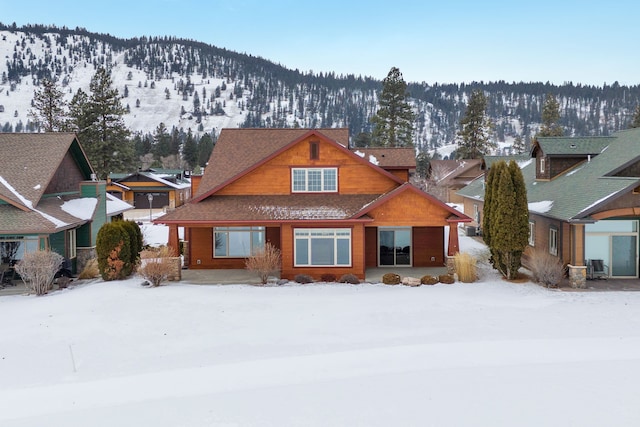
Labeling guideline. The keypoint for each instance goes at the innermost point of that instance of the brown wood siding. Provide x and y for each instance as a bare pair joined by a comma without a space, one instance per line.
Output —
272,235
202,249
67,178
542,225
467,208
403,174
409,209
558,165
274,177
371,246
428,246
357,254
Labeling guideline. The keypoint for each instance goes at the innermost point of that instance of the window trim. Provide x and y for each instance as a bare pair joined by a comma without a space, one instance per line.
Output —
532,233
542,165
238,229
323,182
307,234
72,243
553,241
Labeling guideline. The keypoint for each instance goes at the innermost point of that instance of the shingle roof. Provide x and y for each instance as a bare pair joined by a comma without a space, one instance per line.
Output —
237,150
272,208
390,158
28,162
583,189
578,146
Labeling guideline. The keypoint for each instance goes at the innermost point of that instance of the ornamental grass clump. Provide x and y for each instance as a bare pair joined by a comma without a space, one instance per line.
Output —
465,265
328,277
303,278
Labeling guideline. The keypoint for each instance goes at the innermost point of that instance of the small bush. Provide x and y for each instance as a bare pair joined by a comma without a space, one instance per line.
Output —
428,280
328,277
446,278
391,279
264,262
546,268
350,278
114,251
155,266
303,278
90,270
465,265
37,270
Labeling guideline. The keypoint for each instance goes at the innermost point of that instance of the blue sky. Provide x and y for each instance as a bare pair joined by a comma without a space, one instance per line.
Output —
588,42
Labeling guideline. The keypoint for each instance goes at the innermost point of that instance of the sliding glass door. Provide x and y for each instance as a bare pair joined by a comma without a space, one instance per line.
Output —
394,246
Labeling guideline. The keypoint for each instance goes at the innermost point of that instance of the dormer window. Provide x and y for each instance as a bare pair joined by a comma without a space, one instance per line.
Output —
314,180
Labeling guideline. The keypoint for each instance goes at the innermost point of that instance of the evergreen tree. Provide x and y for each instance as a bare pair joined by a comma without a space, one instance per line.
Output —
205,147
518,145
362,140
393,123
161,142
550,117
49,107
474,135
422,164
190,150
635,123
97,119
507,217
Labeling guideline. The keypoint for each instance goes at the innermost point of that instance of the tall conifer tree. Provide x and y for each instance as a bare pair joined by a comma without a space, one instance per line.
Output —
49,107
394,120
550,117
635,123
474,136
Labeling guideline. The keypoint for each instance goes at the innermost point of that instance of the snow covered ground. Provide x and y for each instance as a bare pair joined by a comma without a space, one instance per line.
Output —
487,353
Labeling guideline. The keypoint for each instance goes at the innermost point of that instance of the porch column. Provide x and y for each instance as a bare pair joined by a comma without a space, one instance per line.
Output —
454,246
577,244
174,240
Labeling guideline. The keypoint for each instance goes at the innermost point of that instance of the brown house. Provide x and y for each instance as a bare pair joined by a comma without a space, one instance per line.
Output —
152,188
327,208
449,176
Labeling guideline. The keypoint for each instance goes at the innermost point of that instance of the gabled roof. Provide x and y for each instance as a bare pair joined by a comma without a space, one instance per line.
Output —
488,161
389,158
570,146
29,162
581,191
239,151
119,178
450,170
116,206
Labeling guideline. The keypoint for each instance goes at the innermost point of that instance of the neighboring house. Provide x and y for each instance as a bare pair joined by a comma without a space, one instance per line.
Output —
49,198
584,200
446,177
153,188
327,208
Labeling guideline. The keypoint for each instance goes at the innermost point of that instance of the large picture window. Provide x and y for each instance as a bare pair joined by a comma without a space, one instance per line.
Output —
324,247
237,242
314,180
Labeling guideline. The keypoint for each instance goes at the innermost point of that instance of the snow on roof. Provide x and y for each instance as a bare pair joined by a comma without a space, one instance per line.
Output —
373,159
82,208
541,207
165,182
524,163
29,204
359,153
116,206
316,212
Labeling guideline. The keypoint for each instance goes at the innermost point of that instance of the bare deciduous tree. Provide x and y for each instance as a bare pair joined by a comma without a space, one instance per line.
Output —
37,270
264,262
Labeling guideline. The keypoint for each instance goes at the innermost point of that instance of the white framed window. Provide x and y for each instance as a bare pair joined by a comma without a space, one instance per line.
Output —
323,247
314,180
542,165
71,243
532,233
553,241
237,242
476,213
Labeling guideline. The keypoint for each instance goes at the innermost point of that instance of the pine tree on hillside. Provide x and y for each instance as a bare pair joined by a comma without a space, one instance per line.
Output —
97,119
550,117
474,139
49,107
518,145
635,123
507,216
393,123
190,150
161,142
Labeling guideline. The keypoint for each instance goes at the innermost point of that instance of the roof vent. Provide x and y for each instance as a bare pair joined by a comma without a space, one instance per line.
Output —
573,145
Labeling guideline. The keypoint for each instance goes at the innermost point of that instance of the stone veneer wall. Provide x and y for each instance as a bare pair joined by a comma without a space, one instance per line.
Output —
83,256
577,276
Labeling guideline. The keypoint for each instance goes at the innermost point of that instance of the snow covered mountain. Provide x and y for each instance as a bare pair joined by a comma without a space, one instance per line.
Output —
191,85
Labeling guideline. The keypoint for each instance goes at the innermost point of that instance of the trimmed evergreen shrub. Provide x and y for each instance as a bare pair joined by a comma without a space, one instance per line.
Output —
328,277
428,280
113,249
391,279
303,278
350,278
135,239
446,278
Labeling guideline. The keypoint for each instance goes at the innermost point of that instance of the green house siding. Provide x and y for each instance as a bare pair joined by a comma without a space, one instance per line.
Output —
57,242
96,189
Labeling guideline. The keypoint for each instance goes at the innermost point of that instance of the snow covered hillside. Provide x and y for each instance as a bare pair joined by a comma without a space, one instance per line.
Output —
488,353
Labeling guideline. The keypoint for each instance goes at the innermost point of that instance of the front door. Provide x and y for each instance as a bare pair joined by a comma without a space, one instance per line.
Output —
394,246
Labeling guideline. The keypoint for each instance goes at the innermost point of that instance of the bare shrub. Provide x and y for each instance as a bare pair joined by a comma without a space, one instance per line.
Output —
264,262
328,277
391,279
303,278
465,265
349,278
546,268
155,264
37,270
90,270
